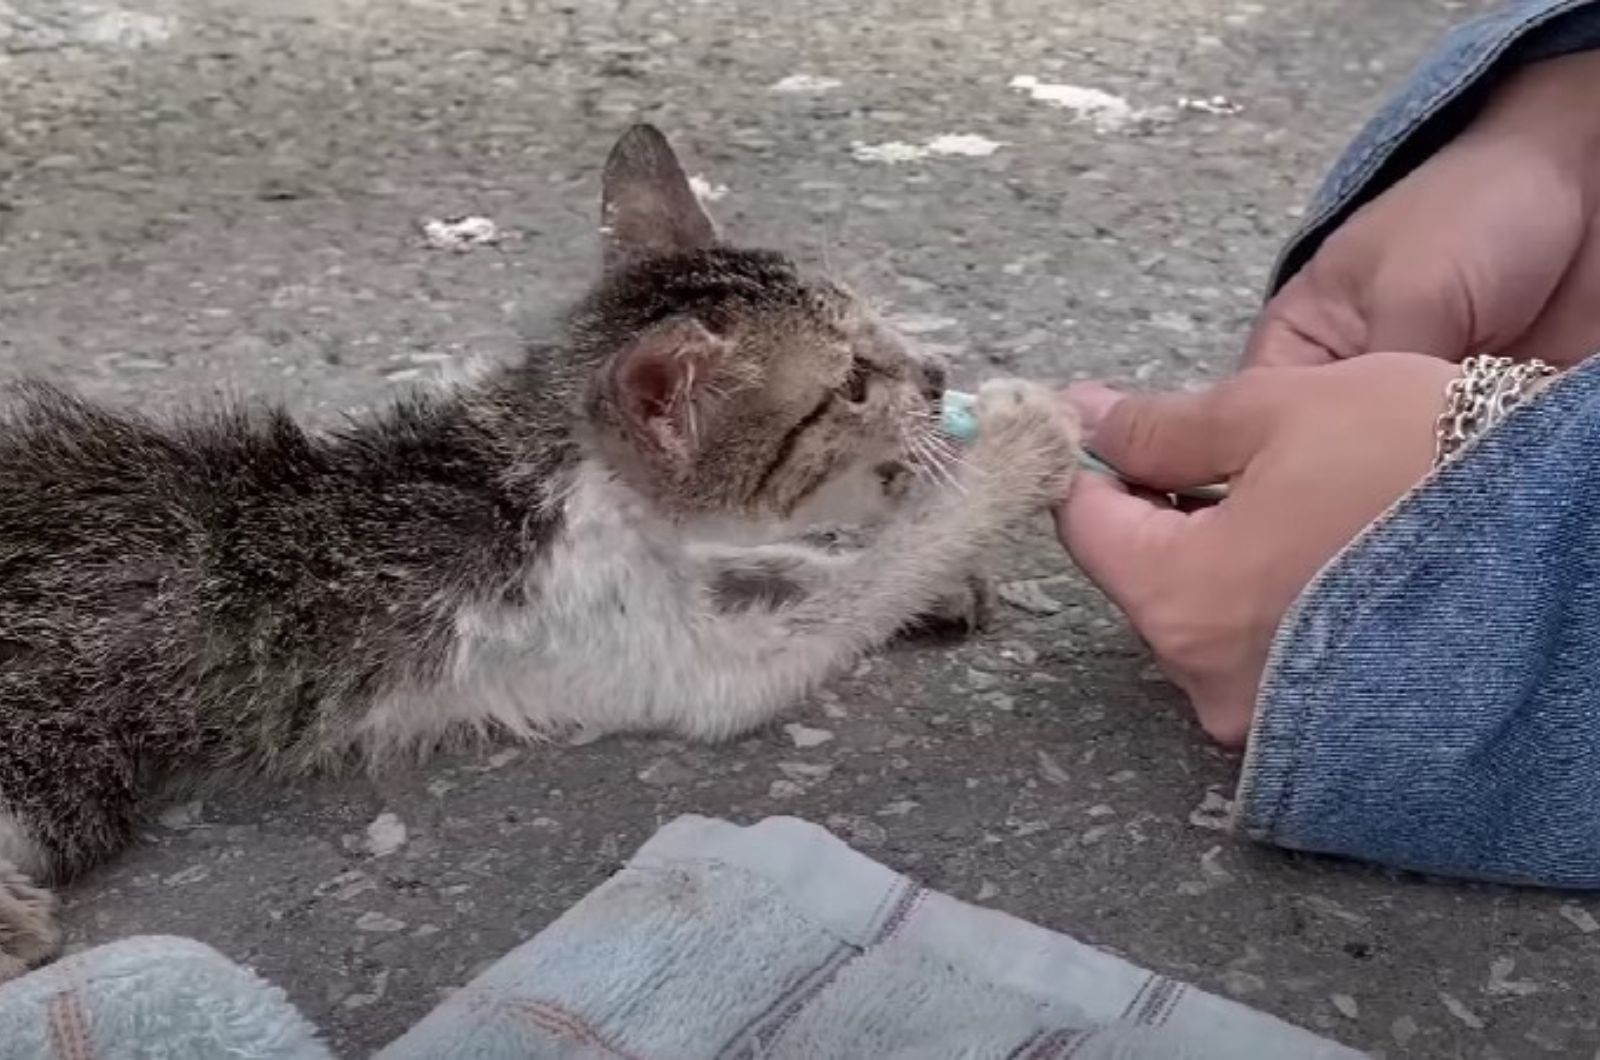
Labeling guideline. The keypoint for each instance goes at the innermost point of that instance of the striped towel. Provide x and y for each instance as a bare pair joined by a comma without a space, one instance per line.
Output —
779,941
774,941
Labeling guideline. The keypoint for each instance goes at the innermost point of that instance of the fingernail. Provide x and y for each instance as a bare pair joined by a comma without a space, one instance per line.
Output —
1091,401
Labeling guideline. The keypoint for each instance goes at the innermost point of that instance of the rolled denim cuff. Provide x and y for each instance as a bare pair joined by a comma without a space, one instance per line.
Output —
1433,700
1439,100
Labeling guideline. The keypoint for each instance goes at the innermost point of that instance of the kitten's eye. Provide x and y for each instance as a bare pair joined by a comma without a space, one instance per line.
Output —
855,385
715,320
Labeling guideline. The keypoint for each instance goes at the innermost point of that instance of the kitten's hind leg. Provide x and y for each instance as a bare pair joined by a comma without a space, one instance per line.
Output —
28,931
966,609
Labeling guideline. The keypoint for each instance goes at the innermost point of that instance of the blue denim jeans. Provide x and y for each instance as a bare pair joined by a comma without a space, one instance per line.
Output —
1432,702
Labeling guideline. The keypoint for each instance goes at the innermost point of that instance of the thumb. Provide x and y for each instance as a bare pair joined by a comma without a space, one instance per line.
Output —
1176,441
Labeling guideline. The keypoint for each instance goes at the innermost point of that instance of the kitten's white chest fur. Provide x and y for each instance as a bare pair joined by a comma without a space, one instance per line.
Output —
619,633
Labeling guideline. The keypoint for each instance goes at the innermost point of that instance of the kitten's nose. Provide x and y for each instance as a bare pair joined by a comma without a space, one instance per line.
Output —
933,379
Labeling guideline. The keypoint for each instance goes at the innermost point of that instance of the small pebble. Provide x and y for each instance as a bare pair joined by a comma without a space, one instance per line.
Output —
856,830
1028,596
1242,984
1580,918
805,737
981,680
504,758
385,835
1051,770
1502,985
1213,812
378,923
1461,1012
192,874
345,886
1346,1006
803,771
665,773
181,817
785,789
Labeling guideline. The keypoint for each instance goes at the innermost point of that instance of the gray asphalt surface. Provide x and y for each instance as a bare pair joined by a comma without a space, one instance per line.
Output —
201,196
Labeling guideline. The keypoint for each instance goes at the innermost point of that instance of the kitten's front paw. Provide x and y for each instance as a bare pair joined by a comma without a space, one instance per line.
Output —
1028,441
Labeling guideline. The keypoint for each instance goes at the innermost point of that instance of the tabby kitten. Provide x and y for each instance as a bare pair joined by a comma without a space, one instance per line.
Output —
608,535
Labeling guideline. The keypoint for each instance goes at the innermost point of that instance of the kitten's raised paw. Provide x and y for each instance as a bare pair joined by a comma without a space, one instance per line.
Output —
28,932
1027,441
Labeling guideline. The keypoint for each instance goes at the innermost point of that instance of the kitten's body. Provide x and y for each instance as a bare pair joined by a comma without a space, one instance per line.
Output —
544,549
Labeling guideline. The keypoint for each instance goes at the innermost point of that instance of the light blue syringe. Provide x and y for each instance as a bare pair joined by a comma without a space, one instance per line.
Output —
959,420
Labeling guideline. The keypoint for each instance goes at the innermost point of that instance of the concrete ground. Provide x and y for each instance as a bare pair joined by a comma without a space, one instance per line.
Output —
204,195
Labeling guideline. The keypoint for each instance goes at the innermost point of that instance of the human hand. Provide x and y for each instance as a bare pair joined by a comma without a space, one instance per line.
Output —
1313,455
1491,246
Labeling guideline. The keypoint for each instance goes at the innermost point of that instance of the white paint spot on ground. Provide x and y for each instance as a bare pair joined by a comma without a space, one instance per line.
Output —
1106,112
460,233
1210,105
969,144
126,29
706,191
803,83
385,835
966,145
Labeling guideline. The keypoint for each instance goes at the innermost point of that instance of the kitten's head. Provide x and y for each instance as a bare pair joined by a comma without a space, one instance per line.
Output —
727,382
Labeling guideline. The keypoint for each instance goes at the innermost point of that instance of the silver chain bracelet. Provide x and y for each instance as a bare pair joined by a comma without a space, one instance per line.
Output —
1486,390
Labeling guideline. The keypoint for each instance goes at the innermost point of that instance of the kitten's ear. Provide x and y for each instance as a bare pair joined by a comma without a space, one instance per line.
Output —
662,381
647,208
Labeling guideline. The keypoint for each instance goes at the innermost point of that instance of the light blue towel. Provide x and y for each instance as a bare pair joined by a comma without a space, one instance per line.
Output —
774,941
151,998
779,941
